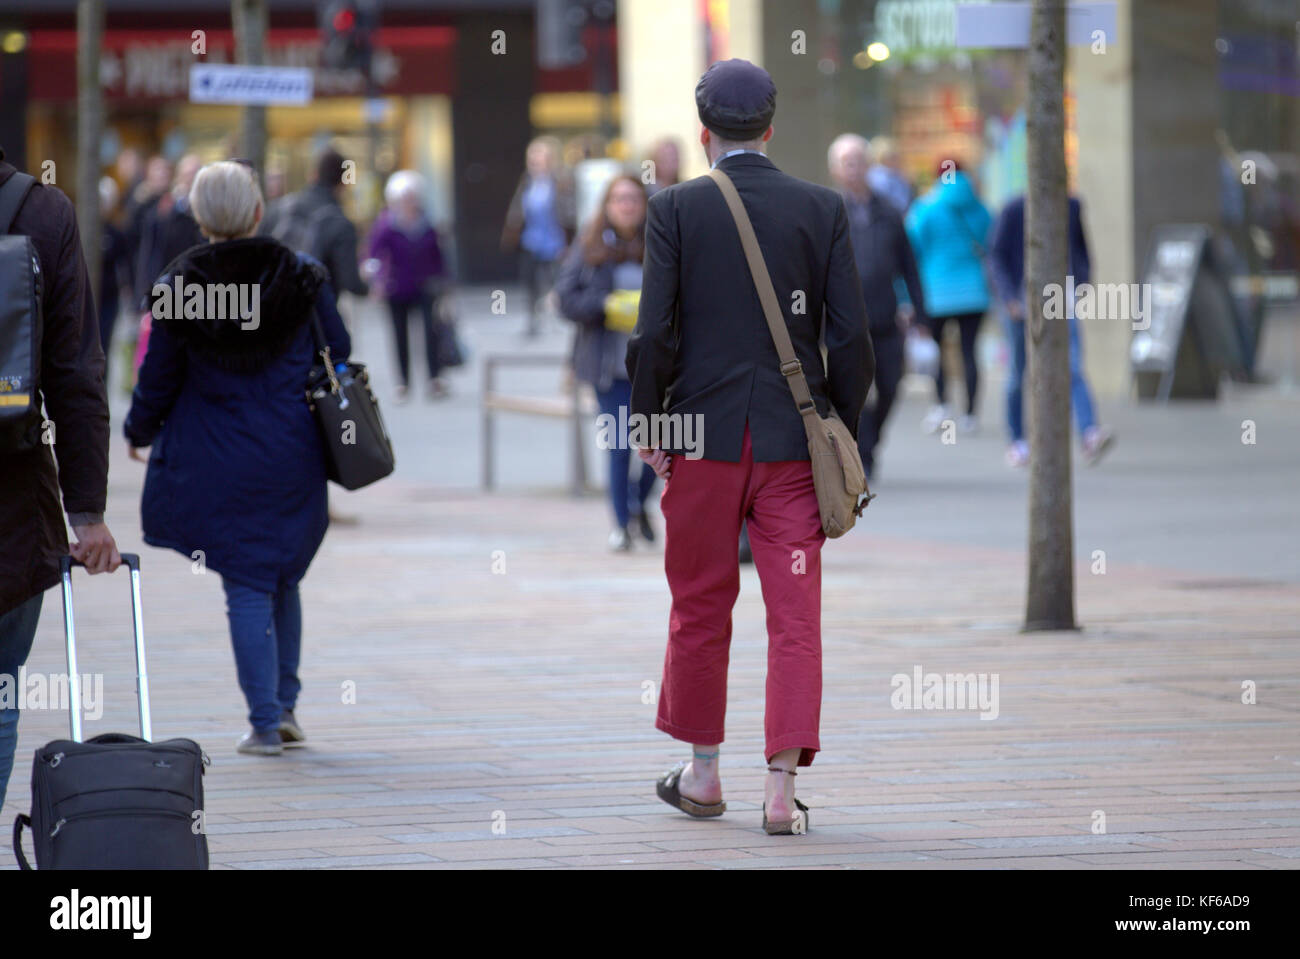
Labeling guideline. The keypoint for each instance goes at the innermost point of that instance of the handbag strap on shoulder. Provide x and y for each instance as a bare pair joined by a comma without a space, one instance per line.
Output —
791,368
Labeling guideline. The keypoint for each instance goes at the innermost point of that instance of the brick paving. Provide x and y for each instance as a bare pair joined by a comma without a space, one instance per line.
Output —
515,700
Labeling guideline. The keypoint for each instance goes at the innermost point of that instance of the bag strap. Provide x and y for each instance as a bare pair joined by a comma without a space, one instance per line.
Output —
791,368
19,822
12,194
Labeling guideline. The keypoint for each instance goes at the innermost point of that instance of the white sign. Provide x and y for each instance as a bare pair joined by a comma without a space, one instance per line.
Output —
232,83
1002,25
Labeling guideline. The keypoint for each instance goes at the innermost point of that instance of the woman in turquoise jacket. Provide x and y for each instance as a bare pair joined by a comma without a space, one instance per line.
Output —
948,229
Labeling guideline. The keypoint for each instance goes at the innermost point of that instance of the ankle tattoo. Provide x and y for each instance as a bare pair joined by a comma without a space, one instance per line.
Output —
707,756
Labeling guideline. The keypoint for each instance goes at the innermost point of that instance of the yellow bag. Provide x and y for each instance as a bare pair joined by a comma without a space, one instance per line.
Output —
620,310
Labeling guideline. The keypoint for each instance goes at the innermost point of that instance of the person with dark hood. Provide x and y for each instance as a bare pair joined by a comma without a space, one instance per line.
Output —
237,470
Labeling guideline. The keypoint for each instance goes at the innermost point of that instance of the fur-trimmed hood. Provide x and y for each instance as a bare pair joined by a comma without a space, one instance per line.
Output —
275,286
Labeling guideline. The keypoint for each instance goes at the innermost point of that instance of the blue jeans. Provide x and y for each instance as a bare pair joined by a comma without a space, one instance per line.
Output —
266,632
17,630
1080,397
623,490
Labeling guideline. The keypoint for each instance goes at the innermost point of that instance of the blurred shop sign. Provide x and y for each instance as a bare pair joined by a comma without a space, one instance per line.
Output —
919,26
152,65
268,86
1003,25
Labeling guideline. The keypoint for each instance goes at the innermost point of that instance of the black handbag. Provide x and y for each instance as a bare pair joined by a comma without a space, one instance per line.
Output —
451,352
357,448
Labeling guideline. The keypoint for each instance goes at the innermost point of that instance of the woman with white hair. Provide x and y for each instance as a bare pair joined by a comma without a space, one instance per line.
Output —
406,246
236,478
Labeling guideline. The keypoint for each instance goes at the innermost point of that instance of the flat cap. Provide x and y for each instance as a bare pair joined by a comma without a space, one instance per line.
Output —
736,99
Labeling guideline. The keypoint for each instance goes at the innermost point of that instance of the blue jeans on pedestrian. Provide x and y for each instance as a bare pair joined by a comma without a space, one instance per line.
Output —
1080,397
627,496
17,630
266,632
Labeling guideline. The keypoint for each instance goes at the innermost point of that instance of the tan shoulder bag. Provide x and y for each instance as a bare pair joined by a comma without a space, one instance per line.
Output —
838,476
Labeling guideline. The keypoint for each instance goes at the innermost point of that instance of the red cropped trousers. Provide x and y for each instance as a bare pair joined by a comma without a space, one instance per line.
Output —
704,502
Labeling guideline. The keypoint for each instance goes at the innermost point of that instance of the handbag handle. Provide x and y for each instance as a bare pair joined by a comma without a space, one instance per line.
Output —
323,348
791,368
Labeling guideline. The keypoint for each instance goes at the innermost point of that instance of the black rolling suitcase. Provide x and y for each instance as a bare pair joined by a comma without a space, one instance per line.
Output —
115,801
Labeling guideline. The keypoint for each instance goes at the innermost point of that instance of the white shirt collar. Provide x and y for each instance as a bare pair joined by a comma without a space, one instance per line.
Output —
732,153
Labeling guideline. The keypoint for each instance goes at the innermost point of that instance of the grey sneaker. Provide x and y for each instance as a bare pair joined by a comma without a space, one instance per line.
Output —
291,733
260,744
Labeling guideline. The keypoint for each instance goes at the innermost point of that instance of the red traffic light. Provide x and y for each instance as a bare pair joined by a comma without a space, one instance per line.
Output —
344,20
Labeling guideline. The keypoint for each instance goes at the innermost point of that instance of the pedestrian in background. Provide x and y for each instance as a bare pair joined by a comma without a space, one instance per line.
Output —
1008,269
599,290
886,178
948,228
411,274
883,255
236,477
312,221
167,229
703,349
46,471
115,276
666,155
540,222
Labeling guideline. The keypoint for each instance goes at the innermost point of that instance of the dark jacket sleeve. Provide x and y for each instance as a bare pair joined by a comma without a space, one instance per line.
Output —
850,360
1080,265
157,384
336,333
652,347
911,275
514,225
343,258
1002,257
581,291
72,375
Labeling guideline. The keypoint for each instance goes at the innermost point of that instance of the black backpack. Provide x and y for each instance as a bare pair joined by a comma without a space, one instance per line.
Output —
20,325
299,227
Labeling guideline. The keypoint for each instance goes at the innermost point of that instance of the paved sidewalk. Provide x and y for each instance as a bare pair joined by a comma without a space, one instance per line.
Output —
516,699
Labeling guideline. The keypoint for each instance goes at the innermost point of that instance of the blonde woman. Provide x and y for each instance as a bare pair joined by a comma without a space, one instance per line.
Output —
236,476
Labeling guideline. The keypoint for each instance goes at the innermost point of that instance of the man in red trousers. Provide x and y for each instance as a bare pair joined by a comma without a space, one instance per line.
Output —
702,349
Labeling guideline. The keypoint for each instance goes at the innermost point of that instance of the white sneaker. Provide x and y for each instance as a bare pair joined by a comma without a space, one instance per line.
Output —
968,424
934,419
1018,454
1096,442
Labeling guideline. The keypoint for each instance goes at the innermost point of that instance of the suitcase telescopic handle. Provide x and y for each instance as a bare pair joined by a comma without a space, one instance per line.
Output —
132,562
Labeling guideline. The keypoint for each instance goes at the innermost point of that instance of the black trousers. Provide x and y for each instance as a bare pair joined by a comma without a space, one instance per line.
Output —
399,311
538,277
889,371
969,326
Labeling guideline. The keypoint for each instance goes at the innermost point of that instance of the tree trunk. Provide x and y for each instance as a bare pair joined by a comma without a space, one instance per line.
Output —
1050,601
90,122
249,18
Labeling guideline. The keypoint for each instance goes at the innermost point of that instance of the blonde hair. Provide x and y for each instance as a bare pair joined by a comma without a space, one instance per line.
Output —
226,200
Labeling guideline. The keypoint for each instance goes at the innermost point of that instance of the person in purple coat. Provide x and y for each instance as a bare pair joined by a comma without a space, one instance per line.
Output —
411,270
